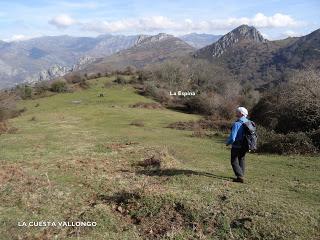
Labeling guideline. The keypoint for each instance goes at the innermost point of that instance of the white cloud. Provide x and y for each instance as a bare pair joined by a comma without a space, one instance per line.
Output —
161,23
277,20
63,21
18,37
153,23
259,20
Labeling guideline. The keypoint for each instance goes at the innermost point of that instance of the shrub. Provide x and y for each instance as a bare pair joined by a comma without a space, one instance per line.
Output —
159,94
41,87
147,105
59,86
291,143
216,91
143,76
154,161
84,84
134,79
315,136
24,91
128,71
219,124
203,124
120,80
291,107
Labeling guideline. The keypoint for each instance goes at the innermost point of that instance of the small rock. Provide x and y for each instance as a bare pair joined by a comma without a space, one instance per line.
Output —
120,209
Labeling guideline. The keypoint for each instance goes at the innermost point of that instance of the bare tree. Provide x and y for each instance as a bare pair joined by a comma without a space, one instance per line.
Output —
307,84
294,106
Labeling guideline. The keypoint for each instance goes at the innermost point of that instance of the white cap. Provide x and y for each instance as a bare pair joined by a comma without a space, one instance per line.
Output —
243,110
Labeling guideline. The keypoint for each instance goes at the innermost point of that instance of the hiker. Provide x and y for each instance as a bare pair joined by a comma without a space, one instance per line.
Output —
236,138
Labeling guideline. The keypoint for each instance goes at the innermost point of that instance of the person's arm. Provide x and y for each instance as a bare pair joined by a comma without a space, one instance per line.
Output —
233,134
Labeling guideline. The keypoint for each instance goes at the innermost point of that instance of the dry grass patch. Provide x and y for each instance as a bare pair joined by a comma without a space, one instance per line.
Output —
162,216
138,123
147,105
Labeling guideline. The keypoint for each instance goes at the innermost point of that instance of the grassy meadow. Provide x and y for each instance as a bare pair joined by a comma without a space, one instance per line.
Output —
77,157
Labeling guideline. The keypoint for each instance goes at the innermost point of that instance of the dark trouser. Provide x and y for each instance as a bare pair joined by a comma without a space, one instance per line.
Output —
237,161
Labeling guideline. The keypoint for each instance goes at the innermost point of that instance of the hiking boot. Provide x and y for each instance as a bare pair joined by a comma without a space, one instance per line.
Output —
238,179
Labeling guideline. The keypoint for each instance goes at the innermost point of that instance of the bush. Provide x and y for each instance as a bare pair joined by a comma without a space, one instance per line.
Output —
59,86
315,136
159,94
120,80
216,91
143,76
291,143
291,107
24,91
84,84
208,123
147,105
73,77
133,79
41,87
212,104
218,125
128,71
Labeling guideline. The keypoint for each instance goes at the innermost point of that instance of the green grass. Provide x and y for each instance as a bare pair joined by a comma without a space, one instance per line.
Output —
71,157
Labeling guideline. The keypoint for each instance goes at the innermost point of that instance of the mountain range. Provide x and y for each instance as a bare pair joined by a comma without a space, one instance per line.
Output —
243,52
249,57
147,51
29,60
44,58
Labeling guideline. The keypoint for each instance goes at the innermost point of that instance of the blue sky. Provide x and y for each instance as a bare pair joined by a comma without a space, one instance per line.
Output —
22,19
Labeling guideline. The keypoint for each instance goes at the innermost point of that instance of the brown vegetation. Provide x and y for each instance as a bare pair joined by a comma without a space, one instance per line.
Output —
8,107
138,123
217,92
291,115
147,105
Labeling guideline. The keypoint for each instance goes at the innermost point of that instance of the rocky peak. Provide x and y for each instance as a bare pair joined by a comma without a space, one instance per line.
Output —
82,62
243,33
141,38
53,72
145,39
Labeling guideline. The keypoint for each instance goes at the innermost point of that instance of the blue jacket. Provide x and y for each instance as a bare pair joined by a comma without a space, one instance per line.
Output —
237,133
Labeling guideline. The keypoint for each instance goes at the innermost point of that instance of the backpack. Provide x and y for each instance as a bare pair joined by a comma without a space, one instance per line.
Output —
249,142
